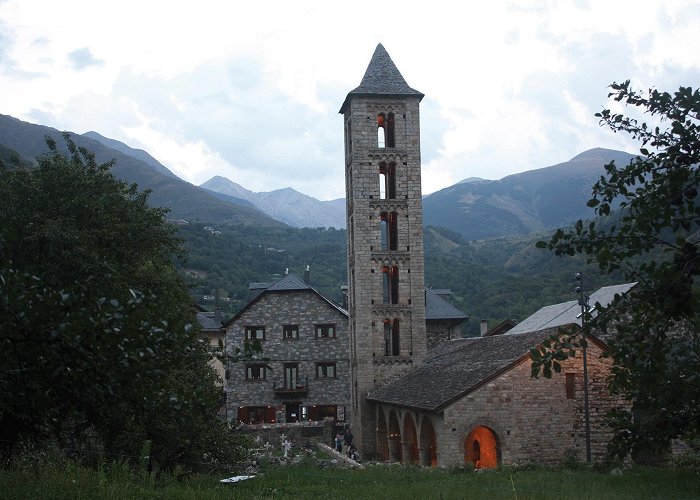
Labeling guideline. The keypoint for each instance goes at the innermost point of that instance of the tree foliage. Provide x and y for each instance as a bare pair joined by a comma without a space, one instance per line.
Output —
648,229
97,336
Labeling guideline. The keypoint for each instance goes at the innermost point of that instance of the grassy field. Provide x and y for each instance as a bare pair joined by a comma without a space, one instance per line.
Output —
307,480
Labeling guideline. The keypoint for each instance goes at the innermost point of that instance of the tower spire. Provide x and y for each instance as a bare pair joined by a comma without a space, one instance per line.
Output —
382,78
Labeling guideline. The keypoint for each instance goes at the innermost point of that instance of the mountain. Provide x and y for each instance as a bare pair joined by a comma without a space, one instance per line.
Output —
185,200
522,203
286,205
139,154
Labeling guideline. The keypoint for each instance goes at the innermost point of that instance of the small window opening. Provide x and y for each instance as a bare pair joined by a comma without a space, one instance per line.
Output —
381,131
390,285
395,344
390,130
389,231
387,181
570,386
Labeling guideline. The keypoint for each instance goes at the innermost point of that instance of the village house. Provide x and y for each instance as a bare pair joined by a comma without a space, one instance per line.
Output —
304,337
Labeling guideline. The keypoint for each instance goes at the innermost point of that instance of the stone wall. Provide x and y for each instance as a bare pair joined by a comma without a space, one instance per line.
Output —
366,258
532,419
306,309
300,434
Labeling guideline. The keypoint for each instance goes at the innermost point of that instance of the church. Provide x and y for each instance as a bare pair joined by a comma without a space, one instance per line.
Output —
391,363
434,400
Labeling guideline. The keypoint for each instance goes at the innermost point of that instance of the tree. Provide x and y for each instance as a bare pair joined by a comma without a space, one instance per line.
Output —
96,328
648,228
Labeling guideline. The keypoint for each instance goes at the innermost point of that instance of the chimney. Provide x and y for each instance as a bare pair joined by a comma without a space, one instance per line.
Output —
307,274
484,326
217,316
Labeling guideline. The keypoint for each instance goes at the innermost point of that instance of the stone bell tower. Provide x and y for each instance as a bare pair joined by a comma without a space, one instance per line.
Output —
386,298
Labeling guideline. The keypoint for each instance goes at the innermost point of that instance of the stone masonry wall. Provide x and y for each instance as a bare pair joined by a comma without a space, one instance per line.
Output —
532,419
306,309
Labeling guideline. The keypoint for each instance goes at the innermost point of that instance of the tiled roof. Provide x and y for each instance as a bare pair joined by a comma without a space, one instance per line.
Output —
456,368
568,313
382,78
438,308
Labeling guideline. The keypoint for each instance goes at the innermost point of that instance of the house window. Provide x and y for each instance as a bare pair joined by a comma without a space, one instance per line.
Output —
255,333
325,331
325,370
291,375
570,385
255,372
290,331
256,414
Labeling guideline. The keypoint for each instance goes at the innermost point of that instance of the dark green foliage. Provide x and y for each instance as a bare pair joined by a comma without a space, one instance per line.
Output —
96,328
651,239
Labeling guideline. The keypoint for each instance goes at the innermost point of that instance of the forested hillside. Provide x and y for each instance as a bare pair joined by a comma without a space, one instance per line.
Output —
490,279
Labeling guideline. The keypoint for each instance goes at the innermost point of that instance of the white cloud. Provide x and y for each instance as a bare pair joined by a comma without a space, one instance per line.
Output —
251,90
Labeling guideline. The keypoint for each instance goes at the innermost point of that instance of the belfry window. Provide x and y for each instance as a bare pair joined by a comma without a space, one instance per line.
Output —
381,131
387,181
392,347
390,285
388,231
385,130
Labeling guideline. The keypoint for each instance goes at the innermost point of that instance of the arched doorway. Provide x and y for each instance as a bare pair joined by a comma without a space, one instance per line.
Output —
481,448
428,443
410,438
394,440
382,444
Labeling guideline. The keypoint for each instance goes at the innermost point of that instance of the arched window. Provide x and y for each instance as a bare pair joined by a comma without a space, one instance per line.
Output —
388,231
389,135
390,285
392,346
381,131
387,181
395,341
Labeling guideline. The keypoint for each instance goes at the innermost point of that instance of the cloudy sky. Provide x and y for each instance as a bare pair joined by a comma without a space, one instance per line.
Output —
251,90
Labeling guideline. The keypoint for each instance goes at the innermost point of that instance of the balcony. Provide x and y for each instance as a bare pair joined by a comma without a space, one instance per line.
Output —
284,388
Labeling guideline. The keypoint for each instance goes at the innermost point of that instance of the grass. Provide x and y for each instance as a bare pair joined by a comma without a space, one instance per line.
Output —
307,480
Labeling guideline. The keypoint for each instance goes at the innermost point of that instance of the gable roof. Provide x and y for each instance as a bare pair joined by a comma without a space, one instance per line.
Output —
567,313
382,78
436,307
289,283
207,320
458,367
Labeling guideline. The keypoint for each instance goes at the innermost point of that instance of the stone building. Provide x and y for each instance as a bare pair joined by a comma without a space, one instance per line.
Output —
212,330
419,394
385,234
305,340
474,402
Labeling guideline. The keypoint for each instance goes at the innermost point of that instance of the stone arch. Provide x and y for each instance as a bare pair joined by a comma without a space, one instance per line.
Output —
410,439
482,448
382,436
428,443
394,440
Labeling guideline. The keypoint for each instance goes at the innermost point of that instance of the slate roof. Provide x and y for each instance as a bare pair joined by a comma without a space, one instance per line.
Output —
207,320
458,367
381,78
568,313
289,283
437,307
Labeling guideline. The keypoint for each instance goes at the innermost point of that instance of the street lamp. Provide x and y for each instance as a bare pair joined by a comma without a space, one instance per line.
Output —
583,302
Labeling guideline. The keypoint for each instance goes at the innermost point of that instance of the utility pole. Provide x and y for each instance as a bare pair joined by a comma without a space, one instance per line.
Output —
583,302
